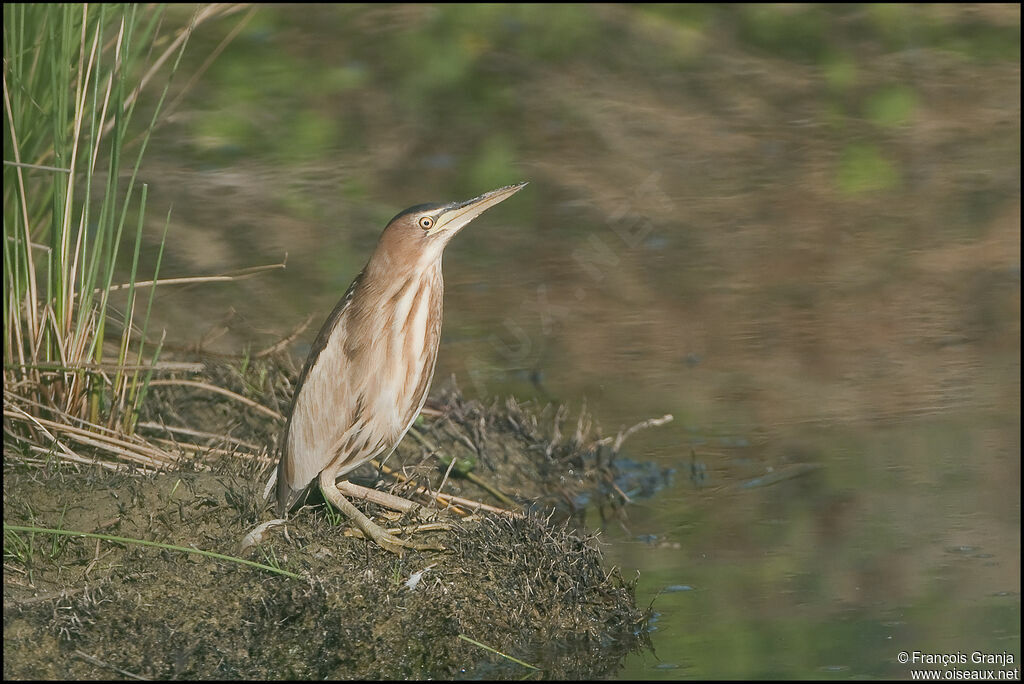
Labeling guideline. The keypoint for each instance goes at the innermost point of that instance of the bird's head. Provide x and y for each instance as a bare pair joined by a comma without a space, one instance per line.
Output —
420,233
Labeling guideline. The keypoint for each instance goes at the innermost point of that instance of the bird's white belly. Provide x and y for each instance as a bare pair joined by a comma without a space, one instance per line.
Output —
350,412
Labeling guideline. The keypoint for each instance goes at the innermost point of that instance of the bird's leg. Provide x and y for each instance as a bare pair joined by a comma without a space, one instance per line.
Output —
365,525
395,503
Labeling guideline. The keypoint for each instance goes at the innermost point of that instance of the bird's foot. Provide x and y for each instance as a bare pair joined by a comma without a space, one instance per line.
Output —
371,530
391,543
395,503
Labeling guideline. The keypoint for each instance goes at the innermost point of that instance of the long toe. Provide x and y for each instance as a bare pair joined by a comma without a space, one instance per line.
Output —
369,529
395,545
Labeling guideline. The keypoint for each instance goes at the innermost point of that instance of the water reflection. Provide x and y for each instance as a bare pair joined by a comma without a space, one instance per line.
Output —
837,569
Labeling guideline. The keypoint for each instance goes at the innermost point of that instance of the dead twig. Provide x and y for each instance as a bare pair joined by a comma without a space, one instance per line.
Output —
99,663
220,390
642,425
447,499
241,274
285,341
472,477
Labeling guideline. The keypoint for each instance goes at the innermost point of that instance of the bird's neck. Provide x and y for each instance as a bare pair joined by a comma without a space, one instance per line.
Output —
412,297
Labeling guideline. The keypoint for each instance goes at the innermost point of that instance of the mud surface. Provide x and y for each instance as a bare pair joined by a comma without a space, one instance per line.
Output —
533,587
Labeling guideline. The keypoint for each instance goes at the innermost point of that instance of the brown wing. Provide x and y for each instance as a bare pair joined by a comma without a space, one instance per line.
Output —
289,492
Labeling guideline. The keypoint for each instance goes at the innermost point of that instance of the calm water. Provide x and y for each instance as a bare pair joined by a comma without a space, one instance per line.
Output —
796,230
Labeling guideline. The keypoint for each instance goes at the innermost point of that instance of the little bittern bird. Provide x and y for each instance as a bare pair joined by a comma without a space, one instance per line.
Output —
370,367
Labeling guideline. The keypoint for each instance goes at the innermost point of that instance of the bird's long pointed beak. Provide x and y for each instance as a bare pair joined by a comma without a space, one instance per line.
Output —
459,214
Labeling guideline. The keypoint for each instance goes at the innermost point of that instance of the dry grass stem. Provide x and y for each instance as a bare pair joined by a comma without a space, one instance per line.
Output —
220,390
285,341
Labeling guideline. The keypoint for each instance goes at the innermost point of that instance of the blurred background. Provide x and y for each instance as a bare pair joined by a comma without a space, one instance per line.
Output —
795,228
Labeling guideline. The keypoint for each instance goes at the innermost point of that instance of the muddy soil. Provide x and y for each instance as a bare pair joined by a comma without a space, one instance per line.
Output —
533,586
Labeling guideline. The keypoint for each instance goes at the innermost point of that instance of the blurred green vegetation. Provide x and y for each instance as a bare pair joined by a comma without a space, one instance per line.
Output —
494,164
891,106
454,70
899,26
797,32
840,71
863,168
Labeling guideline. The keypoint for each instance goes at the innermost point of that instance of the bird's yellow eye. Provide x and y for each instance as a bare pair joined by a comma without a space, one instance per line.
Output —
426,223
